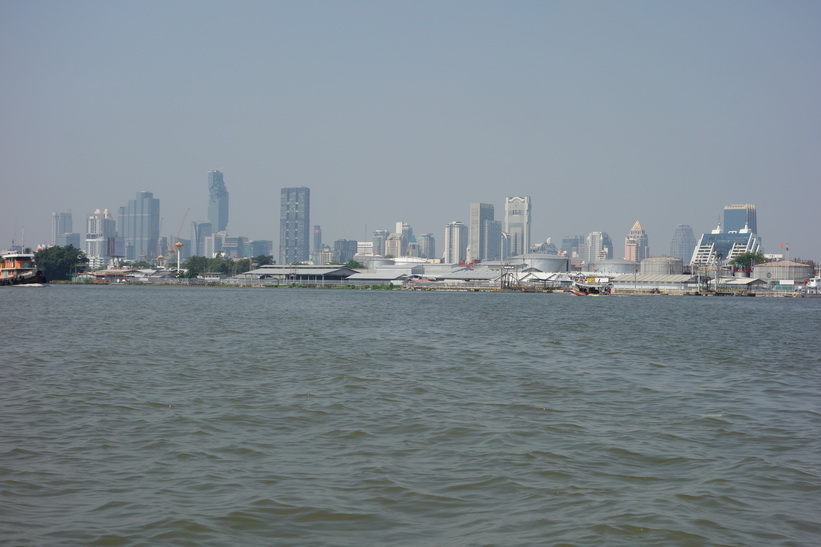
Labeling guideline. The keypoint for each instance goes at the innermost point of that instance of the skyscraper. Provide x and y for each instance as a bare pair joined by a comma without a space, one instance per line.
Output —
294,225
100,230
477,231
317,237
517,224
683,243
491,240
736,217
456,242
636,244
427,246
598,247
217,202
60,224
202,229
379,239
139,225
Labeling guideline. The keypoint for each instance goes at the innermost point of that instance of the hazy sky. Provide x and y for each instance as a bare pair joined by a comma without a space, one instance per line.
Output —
602,112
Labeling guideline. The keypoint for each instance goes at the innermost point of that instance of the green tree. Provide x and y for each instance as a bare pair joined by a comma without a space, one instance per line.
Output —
353,264
263,260
57,263
748,260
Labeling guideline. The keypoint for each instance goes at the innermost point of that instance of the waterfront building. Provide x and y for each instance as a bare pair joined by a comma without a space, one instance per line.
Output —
379,239
294,225
217,201
636,244
61,223
426,245
100,230
517,224
456,242
739,217
200,229
683,243
480,213
139,225
720,247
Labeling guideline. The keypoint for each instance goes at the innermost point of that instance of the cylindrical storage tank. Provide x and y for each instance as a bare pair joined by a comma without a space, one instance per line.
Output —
545,262
612,266
783,270
662,265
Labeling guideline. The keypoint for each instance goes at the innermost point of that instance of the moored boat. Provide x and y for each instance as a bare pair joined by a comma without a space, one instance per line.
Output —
19,269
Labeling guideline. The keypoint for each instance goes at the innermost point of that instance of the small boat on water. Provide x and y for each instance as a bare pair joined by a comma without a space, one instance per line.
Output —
812,287
19,269
590,288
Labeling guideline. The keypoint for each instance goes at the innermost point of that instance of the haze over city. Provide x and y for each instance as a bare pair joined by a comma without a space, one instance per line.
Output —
603,113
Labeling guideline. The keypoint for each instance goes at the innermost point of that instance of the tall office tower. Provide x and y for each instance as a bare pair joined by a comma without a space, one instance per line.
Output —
139,226
427,246
491,240
317,237
200,229
456,242
217,202
737,217
405,229
344,250
598,247
479,214
396,245
683,243
294,225
379,239
100,230
60,224
636,244
570,245
517,224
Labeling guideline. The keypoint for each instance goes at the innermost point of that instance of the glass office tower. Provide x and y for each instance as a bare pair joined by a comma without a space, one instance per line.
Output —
294,225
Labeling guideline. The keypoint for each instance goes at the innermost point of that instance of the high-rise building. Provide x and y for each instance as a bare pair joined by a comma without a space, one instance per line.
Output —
598,247
217,202
317,237
683,243
720,246
201,229
60,224
139,226
456,242
344,250
427,246
517,224
738,217
491,240
570,245
100,231
396,245
294,225
477,231
636,244
379,239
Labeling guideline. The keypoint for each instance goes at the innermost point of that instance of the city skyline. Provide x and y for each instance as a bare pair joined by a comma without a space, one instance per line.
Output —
601,113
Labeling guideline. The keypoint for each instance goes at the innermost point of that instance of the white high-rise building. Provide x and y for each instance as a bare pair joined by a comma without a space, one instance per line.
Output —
100,232
517,224
456,242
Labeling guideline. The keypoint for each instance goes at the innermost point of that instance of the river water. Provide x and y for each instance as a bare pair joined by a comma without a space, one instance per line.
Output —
217,416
